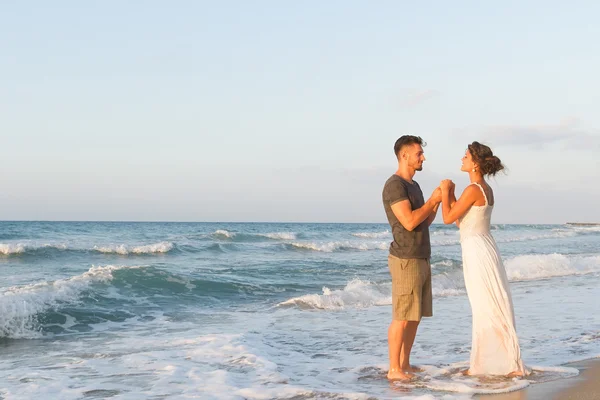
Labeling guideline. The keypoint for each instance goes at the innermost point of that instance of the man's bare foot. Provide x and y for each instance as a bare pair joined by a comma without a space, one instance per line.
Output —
412,368
399,375
466,372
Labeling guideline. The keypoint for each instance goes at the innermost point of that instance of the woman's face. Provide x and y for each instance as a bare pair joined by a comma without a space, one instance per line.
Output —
467,162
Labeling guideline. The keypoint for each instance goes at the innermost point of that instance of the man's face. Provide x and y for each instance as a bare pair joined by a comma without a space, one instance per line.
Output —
414,156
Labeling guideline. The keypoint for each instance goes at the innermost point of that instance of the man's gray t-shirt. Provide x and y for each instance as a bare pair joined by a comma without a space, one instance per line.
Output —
406,244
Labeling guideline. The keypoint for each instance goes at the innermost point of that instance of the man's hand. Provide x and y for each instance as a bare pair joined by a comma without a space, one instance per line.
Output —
436,196
447,185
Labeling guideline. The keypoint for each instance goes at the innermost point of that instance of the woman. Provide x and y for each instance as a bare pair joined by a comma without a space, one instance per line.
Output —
495,347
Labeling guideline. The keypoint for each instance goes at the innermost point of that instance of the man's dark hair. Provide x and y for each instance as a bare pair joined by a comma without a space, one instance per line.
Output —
405,141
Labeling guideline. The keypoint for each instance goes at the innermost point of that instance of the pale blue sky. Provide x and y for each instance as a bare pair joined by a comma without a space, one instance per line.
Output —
288,111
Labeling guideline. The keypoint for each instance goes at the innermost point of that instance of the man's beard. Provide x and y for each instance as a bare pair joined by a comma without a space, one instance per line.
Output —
419,168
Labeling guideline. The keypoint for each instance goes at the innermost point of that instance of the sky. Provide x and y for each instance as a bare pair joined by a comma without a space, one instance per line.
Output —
282,111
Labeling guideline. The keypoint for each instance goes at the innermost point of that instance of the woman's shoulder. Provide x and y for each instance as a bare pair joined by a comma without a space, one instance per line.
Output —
484,191
471,190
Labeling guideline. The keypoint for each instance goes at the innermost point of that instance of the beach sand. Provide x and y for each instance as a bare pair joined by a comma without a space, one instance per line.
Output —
585,386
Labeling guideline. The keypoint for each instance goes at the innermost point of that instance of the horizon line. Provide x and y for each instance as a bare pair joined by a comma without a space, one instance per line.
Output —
269,222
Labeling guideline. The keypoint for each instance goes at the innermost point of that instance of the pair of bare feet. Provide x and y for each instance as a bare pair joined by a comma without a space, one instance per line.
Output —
405,374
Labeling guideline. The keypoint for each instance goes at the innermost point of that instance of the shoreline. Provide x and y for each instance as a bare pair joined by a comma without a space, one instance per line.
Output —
585,386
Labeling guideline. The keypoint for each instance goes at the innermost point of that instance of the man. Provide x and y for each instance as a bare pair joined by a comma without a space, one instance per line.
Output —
409,217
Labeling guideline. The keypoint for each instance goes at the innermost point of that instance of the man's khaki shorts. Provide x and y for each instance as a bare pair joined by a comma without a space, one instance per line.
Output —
411,288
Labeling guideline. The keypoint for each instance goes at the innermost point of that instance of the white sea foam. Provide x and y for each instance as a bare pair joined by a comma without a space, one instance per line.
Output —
468,386
20,248
438,238
357,293
280,235
446,232
37,386
216,366
443,263
531,237
162,247
19,304
452,237
585,229
30,247
450,379
12,248
373,235
329,247
445,242
222,233
448,284
540,266
361,294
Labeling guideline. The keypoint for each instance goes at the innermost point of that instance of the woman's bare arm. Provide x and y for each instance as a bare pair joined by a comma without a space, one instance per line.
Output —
453,209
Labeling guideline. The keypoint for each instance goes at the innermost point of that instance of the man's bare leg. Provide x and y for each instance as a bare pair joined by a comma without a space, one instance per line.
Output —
410,332
396,338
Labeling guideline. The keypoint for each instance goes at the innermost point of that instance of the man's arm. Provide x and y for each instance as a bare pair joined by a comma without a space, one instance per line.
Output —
410,218
433,214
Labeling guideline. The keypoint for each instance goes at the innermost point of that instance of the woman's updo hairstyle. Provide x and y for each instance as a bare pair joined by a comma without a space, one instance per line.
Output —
488,163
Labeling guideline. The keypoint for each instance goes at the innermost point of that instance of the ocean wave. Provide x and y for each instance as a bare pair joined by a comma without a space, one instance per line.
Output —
20,305
217,248
586,229
443,263
357,293
222,234
502,238
448,284
329,247
557,234
541,266
373,235
446,232
152,281
452,238
162,247
360,293
15,249
90,298
279,235
9,249
213,247
446,242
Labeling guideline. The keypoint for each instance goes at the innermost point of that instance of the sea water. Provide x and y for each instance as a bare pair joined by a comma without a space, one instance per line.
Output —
95,310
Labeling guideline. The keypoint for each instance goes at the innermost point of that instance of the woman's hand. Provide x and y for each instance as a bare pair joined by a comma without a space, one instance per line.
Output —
447,185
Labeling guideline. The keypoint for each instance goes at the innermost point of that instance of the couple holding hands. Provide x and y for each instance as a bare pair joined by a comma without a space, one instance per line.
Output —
495,347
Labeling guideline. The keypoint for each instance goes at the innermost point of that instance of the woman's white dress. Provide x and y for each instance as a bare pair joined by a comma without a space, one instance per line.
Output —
495,347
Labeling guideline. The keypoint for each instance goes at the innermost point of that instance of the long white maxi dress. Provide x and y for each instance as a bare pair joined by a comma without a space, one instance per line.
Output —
495,347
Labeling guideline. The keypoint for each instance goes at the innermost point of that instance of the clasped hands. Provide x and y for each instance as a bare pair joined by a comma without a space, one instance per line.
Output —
446,186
